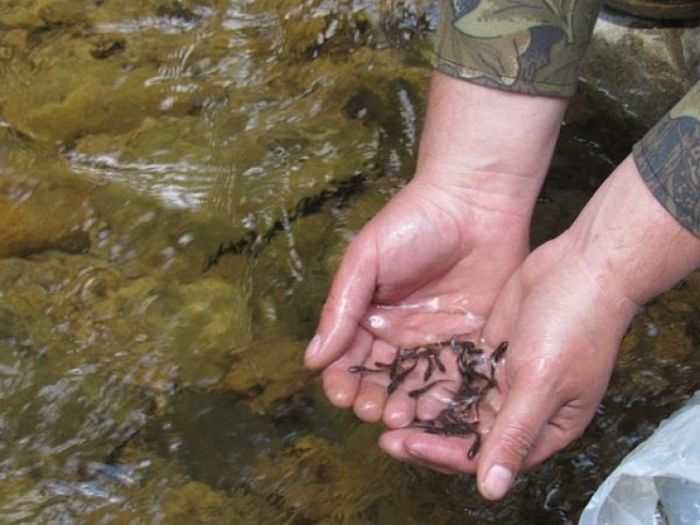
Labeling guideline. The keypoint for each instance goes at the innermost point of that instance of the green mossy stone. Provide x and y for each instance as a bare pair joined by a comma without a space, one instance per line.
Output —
331,484
217,320
56,114
24,202
19,14
197,503
290,280
60,12
268,374
139,235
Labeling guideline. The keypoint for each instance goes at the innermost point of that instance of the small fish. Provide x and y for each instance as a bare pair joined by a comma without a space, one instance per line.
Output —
495,358
420,391
439,363
400,377
363,370
499,352
474,450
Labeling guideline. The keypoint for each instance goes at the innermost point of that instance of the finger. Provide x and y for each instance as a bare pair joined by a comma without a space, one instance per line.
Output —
556,437
433,402
372,395
420,398
339,384
400,410
393,443
402,406
526,410
348,299
446,385
445,454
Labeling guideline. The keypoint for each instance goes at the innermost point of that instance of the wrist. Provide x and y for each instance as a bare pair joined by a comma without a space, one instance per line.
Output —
482,196
635,245
490,147
471,129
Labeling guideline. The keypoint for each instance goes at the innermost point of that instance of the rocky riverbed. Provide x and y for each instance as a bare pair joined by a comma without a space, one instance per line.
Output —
178,181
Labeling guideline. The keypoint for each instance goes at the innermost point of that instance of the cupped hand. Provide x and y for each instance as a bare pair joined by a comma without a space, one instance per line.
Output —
564,311
431,263
428,266
564,325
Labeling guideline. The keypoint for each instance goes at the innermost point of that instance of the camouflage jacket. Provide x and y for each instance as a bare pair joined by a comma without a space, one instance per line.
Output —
536,47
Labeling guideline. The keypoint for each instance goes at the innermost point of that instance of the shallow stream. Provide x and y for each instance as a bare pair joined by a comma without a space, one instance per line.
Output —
178,181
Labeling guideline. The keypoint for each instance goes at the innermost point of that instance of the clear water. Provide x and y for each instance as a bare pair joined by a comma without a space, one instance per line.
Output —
178,180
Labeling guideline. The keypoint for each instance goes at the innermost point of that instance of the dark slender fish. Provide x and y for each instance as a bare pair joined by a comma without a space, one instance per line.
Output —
428,371
363,370
474,450
477,372
438,362
400,378
420,391
495,358
499,352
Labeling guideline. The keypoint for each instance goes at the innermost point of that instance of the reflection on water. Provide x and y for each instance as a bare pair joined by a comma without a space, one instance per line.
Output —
178,180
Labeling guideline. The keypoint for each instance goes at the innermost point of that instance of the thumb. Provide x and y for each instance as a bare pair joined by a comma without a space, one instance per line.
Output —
349,297
527,409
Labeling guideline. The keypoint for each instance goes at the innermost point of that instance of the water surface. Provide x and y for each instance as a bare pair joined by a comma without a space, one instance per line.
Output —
178,181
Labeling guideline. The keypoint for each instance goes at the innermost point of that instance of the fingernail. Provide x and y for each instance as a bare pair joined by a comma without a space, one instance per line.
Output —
314,347
497,482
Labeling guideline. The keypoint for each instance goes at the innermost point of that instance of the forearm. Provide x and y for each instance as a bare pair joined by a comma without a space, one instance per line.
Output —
488,140
635,247
496,104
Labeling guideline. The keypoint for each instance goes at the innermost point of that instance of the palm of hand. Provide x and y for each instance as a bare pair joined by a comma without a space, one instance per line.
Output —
426,275
564,329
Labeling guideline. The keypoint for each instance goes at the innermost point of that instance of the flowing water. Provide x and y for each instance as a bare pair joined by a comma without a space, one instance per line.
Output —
178,181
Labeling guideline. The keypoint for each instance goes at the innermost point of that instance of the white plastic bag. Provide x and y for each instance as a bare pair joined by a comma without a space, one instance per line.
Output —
658,483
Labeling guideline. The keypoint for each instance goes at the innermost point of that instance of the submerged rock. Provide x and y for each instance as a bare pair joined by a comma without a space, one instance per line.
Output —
24,228
270,375
198,503
205,164
315,481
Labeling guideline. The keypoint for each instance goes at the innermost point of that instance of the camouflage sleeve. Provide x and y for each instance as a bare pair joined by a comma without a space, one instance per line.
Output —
528,46
668,157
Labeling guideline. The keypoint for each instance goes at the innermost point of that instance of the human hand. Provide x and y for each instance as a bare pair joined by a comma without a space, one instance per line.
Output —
564,311
564,330
430,264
